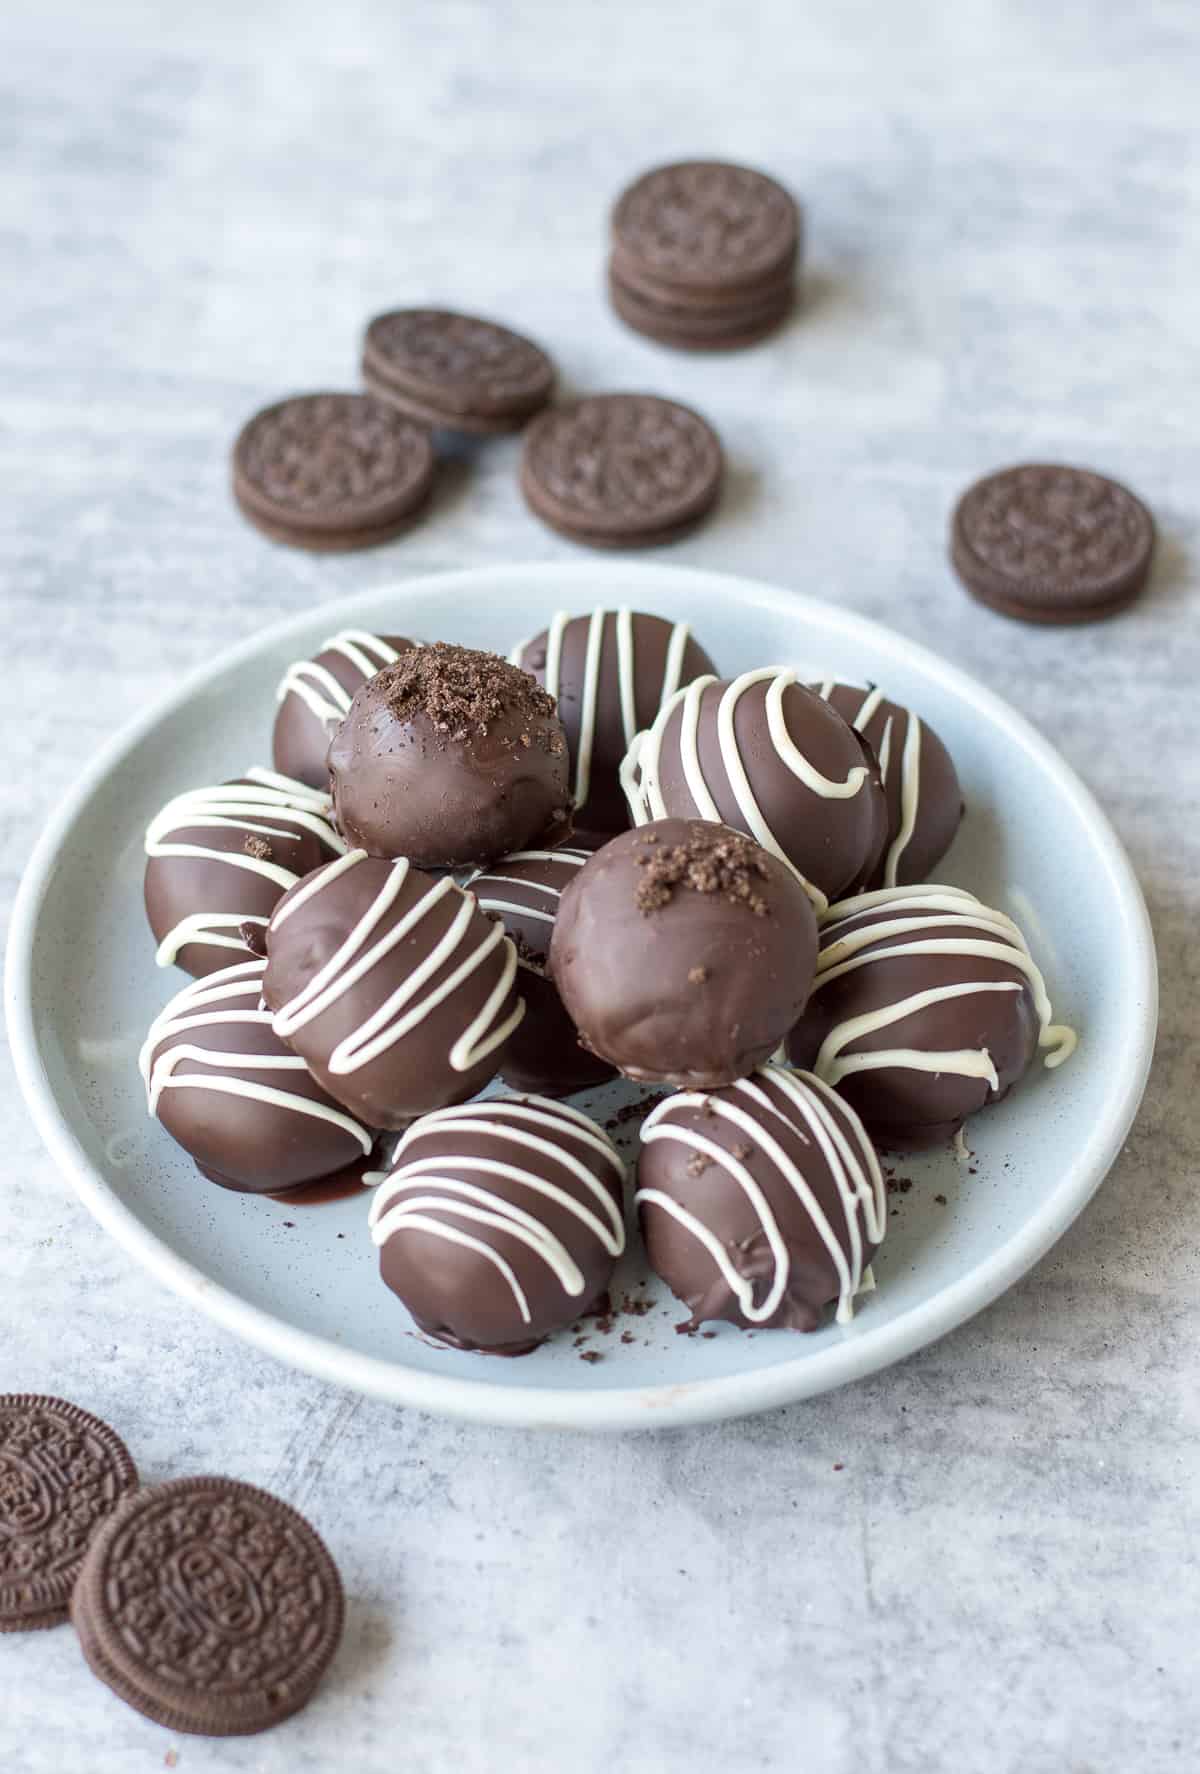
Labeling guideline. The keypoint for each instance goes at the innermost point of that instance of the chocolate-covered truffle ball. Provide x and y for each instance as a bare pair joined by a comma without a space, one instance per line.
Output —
241,1103
392,984
500,1222
762,1203
314,698
449,757
924,800
543,1054
684,952
220,858
767,756
926,1007
610,672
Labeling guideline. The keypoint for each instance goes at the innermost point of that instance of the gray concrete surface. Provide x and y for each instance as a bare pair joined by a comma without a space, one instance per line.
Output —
983,1561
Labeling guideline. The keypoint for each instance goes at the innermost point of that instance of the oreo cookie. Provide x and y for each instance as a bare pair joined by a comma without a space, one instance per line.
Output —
331,471
209,1606
621,470
455,371
1051,544
704,255
726,328
62,1473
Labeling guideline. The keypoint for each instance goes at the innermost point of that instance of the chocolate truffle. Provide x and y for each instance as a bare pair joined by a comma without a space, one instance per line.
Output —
241,1103
924,801
609,672
500,1222
448,757
314,698
220,858
762,1203
392,984
765,755
926,1007
684,953
543,1053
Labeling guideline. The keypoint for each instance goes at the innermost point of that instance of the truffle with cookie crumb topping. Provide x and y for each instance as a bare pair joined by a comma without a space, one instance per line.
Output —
682,950
450,756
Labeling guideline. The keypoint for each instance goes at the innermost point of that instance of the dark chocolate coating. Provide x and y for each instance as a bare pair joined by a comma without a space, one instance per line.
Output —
603,807
904,1107
458,1292
543,1055
699,991
771,1115
939,802
405,785
415,1073
238,1140
180,887
300,742
835,841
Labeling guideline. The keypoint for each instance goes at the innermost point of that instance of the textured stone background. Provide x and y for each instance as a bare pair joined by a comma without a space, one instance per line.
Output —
1004,203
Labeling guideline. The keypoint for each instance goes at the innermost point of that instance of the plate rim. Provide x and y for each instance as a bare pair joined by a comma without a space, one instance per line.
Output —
620,1408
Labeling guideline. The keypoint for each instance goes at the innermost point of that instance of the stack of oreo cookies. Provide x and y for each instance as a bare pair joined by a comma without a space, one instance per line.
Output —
704,255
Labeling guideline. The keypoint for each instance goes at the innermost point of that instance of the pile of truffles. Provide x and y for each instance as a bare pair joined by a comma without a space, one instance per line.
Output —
597,857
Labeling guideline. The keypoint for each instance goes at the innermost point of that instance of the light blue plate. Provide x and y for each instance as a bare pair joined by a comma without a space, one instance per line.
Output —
82,987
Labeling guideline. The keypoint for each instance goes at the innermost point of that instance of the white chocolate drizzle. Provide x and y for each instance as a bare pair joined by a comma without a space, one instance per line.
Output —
641,769
544,895
908,764
966,928
841,1145
248,807
230,1000
316,685
446,1196
625,621
414,999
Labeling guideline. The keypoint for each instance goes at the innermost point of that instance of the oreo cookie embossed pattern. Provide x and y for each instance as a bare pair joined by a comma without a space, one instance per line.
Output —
455,371
331,471
62,1471
209,1606
704,255
1052,544
621,470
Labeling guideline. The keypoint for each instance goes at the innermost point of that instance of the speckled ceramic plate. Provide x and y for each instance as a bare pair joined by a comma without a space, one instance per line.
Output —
82,987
